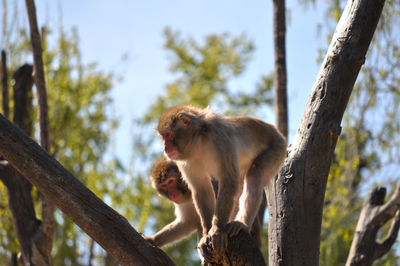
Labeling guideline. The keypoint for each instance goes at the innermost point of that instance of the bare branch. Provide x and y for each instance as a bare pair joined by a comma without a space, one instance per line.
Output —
4,82
388,210
48,225
112,231
39,75
387,244
374,214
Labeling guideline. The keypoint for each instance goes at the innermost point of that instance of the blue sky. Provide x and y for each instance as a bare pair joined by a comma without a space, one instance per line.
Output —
110,29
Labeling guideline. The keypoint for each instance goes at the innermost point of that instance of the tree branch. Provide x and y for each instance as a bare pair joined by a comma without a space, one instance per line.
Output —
388,210
48,224
112,231
387,244
374,214
4,82
39,75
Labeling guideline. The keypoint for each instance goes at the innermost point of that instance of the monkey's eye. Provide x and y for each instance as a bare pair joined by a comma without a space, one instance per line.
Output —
167,135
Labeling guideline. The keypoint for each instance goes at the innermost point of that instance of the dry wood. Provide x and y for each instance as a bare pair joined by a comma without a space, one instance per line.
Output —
45,240
280,76
112,231
295,199
365,249
4,82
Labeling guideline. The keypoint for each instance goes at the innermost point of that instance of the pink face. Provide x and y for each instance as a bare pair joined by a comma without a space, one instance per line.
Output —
169,146
169,186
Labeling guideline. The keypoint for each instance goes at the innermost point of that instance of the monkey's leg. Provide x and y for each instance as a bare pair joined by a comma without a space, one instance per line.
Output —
263,169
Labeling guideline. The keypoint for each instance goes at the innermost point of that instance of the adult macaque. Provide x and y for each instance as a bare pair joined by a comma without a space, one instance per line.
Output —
167,180
241,153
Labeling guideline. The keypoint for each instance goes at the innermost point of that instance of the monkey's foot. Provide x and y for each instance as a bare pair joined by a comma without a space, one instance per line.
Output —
234,227
206,249
219,239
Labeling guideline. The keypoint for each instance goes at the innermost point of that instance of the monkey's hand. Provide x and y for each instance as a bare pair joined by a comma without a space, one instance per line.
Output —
150,240
234,227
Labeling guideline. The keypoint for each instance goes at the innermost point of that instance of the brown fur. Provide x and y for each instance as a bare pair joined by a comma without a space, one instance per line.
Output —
187,220
163,169
238,151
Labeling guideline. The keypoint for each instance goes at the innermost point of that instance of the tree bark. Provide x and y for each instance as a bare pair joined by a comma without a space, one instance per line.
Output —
4,82
280,77
242,250
45,240
36,42
374,214
112,231
20,202
295,198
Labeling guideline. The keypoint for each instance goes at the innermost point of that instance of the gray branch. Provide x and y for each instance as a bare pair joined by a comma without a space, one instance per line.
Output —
108,228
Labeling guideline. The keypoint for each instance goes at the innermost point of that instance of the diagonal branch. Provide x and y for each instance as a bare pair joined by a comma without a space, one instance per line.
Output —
112,231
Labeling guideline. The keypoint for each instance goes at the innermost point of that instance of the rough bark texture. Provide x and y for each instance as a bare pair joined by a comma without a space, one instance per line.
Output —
27,226
374,214
39,75
112,231
280,77
4,83
242,250
295,199
29,230
45,240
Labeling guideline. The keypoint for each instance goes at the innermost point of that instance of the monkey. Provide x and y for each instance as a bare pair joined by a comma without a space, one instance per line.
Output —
167,180
243,154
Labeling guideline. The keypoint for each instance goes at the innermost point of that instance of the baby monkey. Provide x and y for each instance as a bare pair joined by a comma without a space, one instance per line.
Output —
167,180
243,154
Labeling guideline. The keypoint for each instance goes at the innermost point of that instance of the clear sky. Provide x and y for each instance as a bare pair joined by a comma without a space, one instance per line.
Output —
110,29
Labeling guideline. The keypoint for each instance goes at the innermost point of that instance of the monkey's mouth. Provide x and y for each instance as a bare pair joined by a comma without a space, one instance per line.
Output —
172,154
175,197
170,150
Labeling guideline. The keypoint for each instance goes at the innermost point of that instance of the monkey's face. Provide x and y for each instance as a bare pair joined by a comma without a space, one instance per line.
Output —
179,134
167,179
172,189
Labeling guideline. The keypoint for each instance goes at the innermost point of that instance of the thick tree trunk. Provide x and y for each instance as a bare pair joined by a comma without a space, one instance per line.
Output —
112,231
295,199
364,248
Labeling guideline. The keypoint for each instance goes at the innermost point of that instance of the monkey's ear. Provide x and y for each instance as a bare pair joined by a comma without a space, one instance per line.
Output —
184,120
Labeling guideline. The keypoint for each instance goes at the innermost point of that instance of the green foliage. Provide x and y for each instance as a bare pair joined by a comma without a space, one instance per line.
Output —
202,70
80,129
